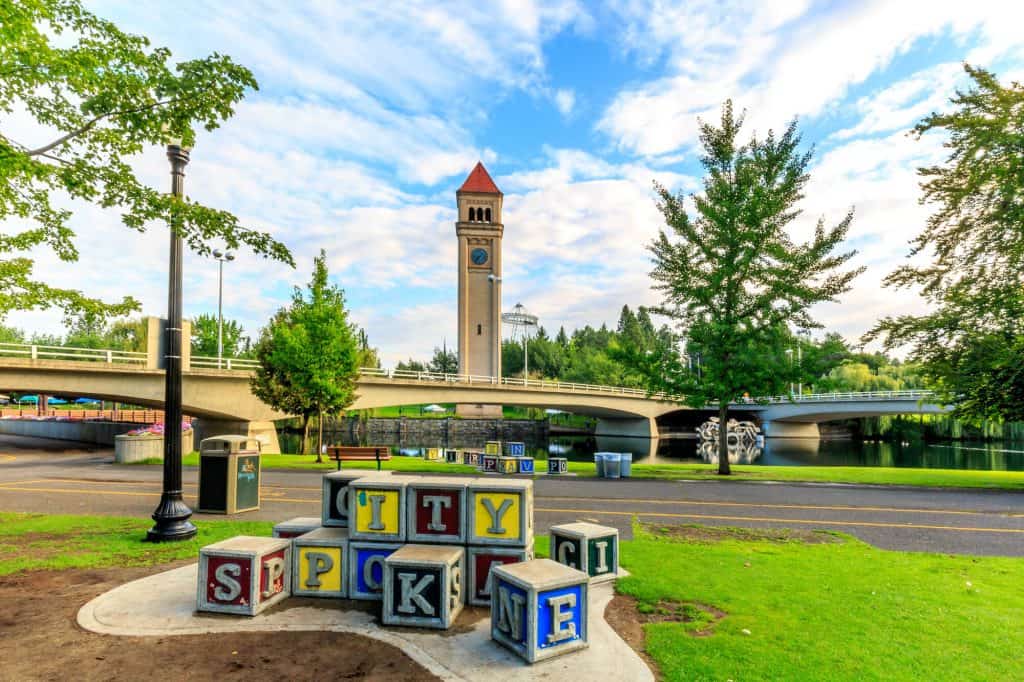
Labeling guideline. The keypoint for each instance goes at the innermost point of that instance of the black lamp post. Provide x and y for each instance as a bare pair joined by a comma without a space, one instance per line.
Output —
172,514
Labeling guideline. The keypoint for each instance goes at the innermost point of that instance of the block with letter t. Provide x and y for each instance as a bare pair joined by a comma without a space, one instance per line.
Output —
318,563
243,575
423,586
500,513
539,608
436,509
376,508
588,547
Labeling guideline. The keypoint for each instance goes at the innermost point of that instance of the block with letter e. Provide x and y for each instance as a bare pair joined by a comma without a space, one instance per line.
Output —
334,507
423,586
500,513
243,575
376,508
480,561
318,563
539,608
436,509
588,547
366,569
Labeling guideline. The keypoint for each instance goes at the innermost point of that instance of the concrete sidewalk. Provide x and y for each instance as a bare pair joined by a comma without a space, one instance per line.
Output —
164,605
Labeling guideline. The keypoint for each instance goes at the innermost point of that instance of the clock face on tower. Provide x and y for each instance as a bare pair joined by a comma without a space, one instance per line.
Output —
478,256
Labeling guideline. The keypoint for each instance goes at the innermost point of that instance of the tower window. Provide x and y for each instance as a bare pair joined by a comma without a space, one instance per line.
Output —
479,330
487,215
472,214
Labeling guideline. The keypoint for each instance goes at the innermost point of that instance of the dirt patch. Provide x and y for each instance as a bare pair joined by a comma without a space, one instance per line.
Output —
41,641
719,533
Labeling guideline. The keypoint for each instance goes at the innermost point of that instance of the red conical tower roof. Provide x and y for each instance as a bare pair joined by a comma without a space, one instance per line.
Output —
479,181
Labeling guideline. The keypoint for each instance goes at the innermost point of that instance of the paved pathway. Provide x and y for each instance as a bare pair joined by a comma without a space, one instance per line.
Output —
58,477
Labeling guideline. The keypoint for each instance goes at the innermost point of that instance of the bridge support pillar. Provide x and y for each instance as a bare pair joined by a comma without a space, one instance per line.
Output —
265,432
777,429
634,427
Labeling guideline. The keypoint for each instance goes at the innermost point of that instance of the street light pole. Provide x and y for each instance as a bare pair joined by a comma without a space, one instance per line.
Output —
172,514
221,257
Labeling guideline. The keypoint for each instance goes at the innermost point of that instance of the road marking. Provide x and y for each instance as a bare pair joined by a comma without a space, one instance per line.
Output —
70,491
158,484
7,458
768,519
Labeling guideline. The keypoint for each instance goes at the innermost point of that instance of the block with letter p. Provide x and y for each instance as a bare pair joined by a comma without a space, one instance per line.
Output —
318,563
489,463
334,510
436,509
423,586
243,575
588,547
539,608
376,508
500,513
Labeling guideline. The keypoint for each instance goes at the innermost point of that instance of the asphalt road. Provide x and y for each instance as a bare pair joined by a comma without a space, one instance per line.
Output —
59,477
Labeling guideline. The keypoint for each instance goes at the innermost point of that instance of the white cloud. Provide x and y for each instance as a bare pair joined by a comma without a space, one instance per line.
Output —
565,100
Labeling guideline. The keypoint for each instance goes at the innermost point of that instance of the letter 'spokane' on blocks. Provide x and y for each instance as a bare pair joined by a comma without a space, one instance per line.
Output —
423,586
318,563
293,528
588,547
243,575
366,569
500,513
480,561
376,508
436,509
334,511
539,608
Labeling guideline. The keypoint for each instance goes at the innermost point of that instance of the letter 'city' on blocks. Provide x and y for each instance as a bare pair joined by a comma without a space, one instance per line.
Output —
539,608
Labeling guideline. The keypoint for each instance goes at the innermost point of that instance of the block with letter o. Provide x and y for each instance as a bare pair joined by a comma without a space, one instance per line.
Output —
479,577
334,507
423,586
500,513
436,509
243,575
589,547
376,508
539,609
366,569
318,563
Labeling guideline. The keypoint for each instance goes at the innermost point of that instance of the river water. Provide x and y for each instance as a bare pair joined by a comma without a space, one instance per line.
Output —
993,456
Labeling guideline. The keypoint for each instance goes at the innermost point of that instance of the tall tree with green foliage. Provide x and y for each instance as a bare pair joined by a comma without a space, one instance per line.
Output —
100,97
445,361
730,275
309,355
204,337
972,343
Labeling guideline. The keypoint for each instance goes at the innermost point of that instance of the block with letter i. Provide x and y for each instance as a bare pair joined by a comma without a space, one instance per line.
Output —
539,608
243,575
376,508
451,456
480,561
588,547
423,586
436,509
500,513
334,509
366,569
318,563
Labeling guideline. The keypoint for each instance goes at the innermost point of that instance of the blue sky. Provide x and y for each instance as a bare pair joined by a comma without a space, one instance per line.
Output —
369,116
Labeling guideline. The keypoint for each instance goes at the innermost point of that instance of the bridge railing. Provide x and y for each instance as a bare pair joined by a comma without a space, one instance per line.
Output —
41,352
241,364
853,395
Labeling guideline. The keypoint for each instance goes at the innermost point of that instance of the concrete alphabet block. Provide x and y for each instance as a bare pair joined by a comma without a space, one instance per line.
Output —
508,465
366,569
423,586
318,563
376,508
434,454
492,447
451,456
539,608
558,465
436,509
335,495
244,575
525,465
480,561
489,464
500,513
587,547
293,528
514,449
471,458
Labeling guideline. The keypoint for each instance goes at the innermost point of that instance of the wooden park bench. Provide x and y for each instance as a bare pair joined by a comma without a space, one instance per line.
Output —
357,453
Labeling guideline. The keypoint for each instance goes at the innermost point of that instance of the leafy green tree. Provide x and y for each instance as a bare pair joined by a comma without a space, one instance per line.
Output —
11,335
971,344
204,337
368,356
731,277
128,334
309,355
101,96
444,361
411,366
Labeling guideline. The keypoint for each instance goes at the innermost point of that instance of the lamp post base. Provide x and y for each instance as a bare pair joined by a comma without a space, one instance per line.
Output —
172,520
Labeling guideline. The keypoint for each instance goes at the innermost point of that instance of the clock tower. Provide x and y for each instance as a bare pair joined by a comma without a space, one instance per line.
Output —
479,230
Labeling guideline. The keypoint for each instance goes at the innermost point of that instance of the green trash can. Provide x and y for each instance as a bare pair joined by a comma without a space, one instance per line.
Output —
229,475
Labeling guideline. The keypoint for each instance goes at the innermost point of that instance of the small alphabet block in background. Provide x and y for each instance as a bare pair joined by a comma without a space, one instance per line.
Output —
539,608
318,563
423,586
588,547
558,465
243,575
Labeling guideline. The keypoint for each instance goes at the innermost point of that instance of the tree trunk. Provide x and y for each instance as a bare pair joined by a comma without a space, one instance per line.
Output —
319,435
305,434
723,438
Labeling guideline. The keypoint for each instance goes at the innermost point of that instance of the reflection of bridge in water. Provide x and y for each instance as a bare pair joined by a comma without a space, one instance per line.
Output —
221,399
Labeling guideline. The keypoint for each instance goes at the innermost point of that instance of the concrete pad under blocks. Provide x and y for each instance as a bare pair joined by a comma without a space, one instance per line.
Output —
423,586
243,575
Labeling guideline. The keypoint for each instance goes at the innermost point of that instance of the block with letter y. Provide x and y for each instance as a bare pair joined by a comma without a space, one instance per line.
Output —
500,513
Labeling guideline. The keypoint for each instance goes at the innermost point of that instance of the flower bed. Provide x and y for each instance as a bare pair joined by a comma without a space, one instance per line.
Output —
148,443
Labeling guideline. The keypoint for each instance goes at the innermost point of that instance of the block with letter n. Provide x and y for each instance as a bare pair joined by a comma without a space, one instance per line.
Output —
366,569
243,575
480,561
376,508
500,513
334,509
423,586
436,509
318,563
539,608
589,547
